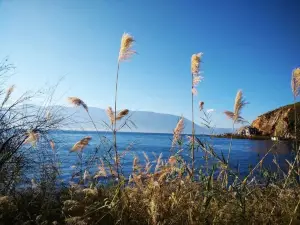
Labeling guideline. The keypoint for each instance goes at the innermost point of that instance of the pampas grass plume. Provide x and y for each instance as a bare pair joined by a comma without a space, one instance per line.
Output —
195,63
178,131
126,50
78,102
81,144
239,104
295,82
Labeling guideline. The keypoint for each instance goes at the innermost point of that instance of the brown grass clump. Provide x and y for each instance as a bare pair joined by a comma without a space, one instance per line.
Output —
79,146
178,201
78,102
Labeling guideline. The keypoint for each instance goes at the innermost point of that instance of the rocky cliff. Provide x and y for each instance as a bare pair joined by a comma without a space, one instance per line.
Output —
279,122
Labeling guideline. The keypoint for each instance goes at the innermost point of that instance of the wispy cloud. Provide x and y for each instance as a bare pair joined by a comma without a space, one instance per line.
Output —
210,110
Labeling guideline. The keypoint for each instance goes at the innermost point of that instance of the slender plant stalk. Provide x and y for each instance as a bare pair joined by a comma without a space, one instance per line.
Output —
195,69
115,124
193,132
295,127
230,145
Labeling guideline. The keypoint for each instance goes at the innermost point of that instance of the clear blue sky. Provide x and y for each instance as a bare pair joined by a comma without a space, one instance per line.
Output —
252,45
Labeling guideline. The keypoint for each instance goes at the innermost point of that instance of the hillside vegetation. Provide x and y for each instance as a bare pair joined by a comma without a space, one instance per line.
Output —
279,122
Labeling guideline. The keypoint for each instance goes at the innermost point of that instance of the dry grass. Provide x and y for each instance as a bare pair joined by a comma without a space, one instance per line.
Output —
32,137
201,106
195,63
239,104
178,131
8,94
126,50
295,82
78,102
122,113
110,114
80,145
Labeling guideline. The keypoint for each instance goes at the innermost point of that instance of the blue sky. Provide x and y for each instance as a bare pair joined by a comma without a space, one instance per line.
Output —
252,45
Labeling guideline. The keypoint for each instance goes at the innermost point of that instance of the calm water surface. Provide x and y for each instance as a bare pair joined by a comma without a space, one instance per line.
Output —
244,152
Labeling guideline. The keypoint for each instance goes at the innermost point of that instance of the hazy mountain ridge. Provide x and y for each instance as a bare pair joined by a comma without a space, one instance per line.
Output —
146,122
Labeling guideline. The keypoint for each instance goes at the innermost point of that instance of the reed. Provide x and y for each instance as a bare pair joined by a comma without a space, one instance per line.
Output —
125,53
178,131
80,103
8,94
80,145
32,138
196,78
295,85
235,116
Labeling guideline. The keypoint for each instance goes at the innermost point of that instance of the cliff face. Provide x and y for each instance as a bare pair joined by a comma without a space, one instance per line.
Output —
279,122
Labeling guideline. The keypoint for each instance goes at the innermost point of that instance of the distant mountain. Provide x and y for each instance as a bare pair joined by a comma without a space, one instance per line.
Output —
147,122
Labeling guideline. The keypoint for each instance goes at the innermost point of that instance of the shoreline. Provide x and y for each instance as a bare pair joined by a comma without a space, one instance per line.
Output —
253,137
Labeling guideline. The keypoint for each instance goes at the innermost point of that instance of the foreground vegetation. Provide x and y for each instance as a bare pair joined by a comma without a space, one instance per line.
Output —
180,201
169,190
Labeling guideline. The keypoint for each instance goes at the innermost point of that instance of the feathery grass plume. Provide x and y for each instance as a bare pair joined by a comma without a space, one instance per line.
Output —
110,114
122,113
201,105
125,53
158,163
79,146
196,80
8,94
101,170
146,157
48,116
32,138
239,104
195,70
295,82
135,164
235,116
126,50
191,140
194,91
52,144
195,63
172,160
86,175
148,163
78,102
178,131
117,160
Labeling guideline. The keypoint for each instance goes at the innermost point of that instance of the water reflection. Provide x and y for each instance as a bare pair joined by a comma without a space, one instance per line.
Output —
280,148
